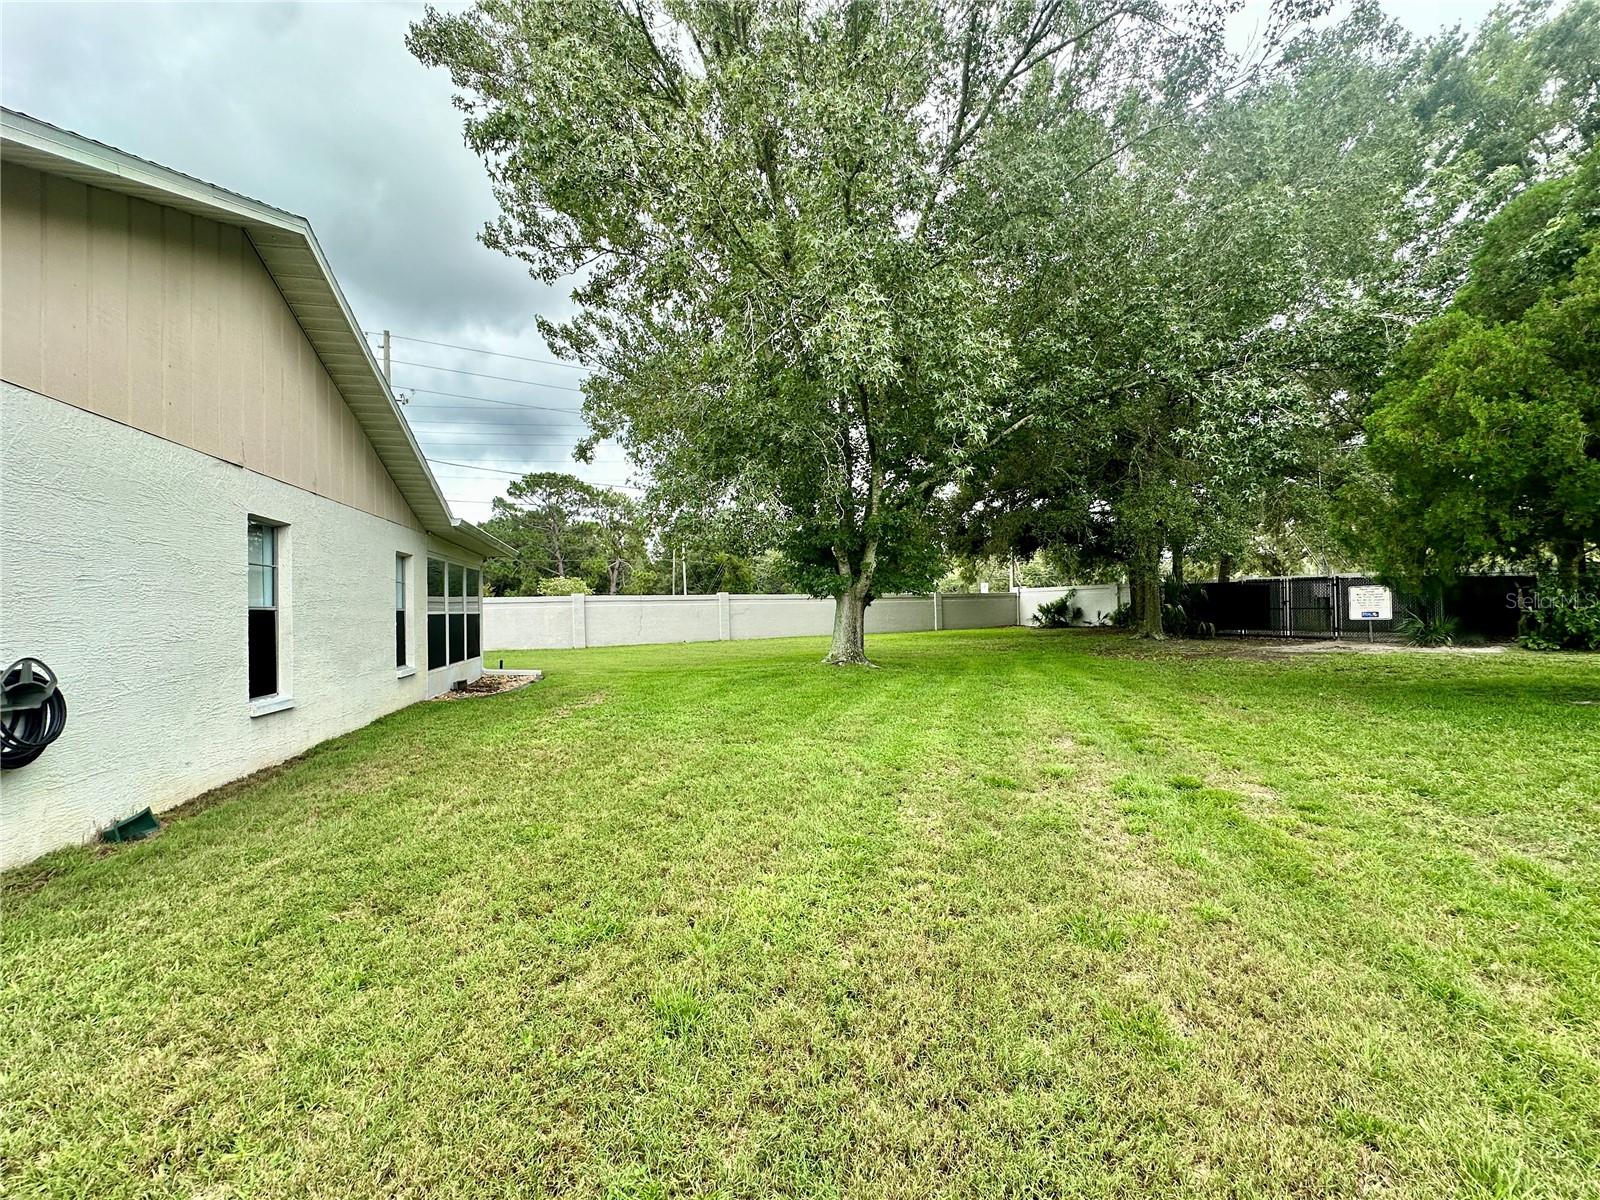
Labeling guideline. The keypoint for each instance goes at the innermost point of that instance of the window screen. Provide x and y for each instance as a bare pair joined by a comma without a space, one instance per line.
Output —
262,621
474,613
437,655
458,625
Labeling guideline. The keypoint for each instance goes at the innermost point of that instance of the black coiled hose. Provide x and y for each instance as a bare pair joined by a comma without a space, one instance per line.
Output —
33,712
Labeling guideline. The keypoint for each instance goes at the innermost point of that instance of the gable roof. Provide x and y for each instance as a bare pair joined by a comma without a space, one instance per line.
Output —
289,249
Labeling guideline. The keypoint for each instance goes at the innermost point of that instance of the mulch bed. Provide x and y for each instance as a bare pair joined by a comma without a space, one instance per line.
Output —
486,685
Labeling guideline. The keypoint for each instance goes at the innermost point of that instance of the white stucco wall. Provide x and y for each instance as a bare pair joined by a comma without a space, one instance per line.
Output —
123,566
629,620
978,610
561,622
1098,601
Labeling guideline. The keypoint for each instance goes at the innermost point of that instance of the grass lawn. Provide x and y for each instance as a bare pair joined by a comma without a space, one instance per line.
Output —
1021,914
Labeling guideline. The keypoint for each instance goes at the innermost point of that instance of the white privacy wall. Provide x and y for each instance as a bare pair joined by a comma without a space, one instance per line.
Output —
1098,601
123,566
563,622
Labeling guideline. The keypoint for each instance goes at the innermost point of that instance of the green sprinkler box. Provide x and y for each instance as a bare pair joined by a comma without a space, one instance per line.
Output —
131,829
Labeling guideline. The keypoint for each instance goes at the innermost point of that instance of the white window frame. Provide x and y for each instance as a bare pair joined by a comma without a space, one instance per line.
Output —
283,696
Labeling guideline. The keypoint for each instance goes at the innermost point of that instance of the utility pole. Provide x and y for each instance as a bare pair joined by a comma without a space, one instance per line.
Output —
388,375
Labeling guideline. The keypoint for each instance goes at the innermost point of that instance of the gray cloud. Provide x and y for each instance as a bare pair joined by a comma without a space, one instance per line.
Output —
319,109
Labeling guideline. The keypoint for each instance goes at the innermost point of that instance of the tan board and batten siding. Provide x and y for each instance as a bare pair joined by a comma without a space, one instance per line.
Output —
170,322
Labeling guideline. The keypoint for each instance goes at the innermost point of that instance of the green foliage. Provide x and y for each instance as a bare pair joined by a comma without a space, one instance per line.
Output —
1563,617
1196,332
559,526
771,574
1425,626
558,585
785,222
1534,245
1060,613
1185,324
1181,606
1484,435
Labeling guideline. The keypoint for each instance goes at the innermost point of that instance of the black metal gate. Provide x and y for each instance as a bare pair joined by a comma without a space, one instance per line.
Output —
1295,606
1318,606
1311,606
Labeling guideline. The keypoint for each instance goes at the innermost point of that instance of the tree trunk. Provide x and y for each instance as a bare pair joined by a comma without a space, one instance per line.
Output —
1224,568
1177,563
1571,558
850,627
1147,590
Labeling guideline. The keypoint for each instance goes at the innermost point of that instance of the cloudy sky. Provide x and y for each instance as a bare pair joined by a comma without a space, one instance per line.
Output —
319,109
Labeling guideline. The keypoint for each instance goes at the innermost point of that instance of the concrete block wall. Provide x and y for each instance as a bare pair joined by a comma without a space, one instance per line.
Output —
1098,601
562,622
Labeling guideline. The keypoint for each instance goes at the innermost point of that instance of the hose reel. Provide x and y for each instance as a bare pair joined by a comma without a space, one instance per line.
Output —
33,712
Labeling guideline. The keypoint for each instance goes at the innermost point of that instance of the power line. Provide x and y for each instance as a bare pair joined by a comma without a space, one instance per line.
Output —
499,470
483,400
480,418
495,468
494,441
491,431
550,362
560,387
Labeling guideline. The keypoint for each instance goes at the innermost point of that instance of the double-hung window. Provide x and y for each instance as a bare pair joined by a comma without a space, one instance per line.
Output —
401,658
263,619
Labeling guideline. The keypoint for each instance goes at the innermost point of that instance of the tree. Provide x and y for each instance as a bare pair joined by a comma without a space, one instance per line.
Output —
563,528
617,539
1486,435
1186,325
779,209
1197,331
708,549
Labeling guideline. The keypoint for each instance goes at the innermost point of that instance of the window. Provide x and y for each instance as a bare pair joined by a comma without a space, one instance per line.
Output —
263,619
458,624
436,615
474,613
401,658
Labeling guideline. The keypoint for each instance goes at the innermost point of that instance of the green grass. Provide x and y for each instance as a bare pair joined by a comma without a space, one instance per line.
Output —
1021,914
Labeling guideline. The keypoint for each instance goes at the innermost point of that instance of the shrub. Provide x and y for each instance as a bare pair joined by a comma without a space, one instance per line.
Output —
562,585
1425,627
1059,613
1180,606
1563,620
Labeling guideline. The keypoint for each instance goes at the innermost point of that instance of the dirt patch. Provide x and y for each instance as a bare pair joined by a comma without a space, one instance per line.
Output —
487,685
1122,645
1355,647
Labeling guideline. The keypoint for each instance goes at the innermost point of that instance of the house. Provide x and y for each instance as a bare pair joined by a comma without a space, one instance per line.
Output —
216,528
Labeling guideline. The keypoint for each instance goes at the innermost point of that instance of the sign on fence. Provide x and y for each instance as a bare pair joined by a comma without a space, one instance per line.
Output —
1371,603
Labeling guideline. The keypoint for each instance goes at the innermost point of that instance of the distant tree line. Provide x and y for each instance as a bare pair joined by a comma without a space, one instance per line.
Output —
569,535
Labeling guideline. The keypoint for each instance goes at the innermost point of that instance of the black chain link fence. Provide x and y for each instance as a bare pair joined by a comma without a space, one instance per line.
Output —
1318,606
